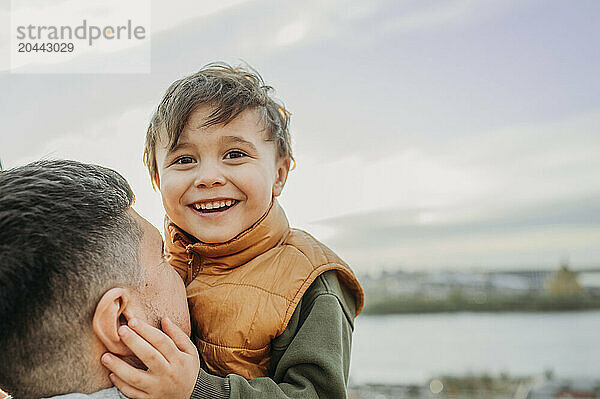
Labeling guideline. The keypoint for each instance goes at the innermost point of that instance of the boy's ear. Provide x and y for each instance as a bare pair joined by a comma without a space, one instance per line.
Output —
111,313
283,168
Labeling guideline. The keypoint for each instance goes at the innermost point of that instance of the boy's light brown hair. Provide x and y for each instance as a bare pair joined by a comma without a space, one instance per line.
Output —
230,90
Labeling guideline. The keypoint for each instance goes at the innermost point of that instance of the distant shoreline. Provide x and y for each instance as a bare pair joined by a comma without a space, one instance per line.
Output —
452,304
502,386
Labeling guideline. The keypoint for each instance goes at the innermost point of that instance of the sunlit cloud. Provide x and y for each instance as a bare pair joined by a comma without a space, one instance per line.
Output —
172,14
422,16
291,33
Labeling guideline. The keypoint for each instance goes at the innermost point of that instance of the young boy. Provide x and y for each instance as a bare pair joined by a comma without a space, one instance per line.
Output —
265,300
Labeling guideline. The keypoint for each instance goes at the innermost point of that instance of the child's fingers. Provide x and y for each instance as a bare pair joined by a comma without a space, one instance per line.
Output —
126,389
147,353
155,337
180,338
125,372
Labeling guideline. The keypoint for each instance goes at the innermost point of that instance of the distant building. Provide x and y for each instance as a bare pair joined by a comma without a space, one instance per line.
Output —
568,388
563,282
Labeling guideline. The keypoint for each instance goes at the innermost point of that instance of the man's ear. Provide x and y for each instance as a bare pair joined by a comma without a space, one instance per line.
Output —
111,313
283,168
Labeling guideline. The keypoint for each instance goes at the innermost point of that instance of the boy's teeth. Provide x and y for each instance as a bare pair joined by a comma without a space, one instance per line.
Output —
213,205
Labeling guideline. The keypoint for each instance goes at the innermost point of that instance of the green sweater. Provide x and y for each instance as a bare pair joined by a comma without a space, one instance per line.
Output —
311,359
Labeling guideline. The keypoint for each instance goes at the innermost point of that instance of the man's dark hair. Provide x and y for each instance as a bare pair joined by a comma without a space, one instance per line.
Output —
231,91
66,237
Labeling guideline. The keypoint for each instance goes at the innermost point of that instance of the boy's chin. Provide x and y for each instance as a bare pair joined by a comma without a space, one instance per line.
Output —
217,237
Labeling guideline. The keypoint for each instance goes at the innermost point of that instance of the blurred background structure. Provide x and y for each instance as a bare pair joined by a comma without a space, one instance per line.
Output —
448,150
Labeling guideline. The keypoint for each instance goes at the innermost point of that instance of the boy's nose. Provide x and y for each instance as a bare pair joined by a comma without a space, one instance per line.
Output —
209,177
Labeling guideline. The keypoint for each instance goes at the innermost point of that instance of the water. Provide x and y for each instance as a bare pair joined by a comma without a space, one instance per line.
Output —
402,349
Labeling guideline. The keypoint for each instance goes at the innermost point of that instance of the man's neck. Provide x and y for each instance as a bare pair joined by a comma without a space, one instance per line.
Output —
97,372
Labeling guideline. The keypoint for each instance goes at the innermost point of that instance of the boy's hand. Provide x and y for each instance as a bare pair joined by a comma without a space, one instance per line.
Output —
172,360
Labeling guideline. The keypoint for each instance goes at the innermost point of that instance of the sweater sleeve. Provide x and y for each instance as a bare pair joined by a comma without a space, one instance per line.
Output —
210,387
315,360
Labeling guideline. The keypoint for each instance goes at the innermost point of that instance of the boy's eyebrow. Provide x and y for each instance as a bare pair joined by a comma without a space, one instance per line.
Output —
237,139
179,146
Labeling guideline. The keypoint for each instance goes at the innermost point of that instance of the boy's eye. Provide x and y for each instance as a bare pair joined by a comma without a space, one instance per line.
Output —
183,160
234,154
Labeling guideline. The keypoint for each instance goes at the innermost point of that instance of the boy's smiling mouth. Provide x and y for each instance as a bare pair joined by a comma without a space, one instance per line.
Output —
214,206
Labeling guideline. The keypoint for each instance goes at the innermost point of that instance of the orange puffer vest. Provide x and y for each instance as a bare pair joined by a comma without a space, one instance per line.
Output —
242,293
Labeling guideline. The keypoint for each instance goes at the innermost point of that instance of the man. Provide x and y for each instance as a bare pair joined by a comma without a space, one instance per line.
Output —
76,264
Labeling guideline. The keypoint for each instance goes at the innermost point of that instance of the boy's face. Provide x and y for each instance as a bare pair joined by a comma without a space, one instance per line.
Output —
219,180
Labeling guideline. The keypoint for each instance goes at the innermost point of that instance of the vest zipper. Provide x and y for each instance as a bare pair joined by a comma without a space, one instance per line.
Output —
188,250
191,273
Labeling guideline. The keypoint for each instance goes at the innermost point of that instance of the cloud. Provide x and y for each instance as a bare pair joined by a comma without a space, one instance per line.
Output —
167,16
387,128
114,143
538,179
420,16
291,33
353,185
507,238
173,14
508,167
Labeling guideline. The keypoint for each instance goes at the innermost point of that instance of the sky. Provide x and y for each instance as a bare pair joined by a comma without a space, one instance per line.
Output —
428,135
